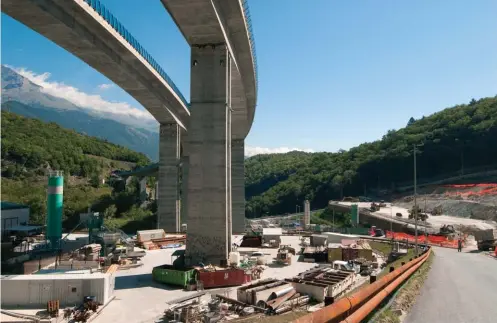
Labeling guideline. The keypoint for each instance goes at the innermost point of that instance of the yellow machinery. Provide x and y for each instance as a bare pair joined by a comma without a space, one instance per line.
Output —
284,257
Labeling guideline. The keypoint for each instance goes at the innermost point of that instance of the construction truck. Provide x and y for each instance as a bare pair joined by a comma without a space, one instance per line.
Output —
421,216
374,207
485,239
447,229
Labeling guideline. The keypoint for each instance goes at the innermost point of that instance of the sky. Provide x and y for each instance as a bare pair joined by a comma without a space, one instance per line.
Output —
332,74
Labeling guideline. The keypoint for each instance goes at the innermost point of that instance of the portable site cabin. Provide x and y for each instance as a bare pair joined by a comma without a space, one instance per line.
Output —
34,291
272,236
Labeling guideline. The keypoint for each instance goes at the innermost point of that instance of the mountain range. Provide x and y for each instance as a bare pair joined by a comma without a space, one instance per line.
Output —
23,97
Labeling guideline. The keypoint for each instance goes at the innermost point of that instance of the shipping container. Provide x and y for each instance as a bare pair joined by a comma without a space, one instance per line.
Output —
334,254
366,254
168,274
319,240
223,278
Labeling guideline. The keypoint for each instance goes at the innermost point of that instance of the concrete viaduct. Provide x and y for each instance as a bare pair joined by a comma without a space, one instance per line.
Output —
206,135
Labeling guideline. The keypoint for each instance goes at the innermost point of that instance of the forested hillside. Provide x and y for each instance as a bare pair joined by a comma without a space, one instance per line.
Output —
30,147
461,137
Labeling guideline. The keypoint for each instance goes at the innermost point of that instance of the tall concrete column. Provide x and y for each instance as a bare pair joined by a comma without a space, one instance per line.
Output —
143,189
168,217
238,184
185,161
209,141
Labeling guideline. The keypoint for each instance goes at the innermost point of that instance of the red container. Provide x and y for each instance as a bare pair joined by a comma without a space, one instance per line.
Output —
223,278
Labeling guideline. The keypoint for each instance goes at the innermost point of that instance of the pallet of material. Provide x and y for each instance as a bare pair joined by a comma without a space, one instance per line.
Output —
169,240
112,269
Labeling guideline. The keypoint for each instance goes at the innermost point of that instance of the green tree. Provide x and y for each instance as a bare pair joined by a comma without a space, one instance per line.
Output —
95,181
110,212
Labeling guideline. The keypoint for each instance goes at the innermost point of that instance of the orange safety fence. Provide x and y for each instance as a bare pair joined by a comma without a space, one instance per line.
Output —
433,240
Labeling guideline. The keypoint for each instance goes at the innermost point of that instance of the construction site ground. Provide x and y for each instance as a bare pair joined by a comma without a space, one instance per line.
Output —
140,299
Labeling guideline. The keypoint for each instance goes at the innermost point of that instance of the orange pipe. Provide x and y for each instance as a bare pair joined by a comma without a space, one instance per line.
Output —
361,313
336,311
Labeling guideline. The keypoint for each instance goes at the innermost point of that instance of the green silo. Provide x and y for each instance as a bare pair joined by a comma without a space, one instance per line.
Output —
55,204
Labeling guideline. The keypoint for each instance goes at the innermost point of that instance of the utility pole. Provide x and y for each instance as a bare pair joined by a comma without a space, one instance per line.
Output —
415,206
425,220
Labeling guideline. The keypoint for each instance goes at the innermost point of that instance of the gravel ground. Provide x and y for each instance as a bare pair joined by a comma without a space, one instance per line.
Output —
460,288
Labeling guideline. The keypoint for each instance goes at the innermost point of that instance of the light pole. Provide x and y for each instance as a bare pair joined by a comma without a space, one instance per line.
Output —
333,220
415,206
391,221
425,219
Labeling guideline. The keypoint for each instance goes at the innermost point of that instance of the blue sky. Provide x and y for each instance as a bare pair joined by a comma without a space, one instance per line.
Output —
332,74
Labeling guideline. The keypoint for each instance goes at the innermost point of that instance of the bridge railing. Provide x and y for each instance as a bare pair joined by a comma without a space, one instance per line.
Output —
246,12
112,20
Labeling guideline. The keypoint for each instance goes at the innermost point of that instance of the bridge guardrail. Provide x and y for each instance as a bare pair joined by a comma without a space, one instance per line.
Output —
114,23
246,12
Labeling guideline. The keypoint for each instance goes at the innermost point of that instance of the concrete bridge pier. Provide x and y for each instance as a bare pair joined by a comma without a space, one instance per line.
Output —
168,217
185,161
238,184
143,189
209,141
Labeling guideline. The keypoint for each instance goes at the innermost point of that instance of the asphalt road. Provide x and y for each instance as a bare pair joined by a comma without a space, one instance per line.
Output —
460,288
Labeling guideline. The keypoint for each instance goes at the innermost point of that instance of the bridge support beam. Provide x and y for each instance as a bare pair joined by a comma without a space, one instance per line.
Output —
168,213
238,184
209,141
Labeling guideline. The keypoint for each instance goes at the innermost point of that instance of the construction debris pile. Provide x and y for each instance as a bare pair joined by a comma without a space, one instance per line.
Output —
82,313
320,283
273,296
205,307
89,252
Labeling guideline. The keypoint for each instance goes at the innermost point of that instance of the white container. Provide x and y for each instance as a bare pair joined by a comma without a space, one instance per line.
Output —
147,235
234,258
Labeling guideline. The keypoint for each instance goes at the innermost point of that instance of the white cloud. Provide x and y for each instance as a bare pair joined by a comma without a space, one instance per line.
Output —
81,99
252,151
104,87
